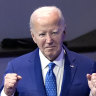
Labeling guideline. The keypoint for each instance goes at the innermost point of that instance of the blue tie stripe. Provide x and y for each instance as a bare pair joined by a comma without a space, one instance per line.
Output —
50,81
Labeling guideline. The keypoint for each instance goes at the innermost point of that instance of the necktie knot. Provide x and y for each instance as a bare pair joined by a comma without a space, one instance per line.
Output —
51,65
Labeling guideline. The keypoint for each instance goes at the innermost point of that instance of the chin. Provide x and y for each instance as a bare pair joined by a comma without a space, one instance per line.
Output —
50,54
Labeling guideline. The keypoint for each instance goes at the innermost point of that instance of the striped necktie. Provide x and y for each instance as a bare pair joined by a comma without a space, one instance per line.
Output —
50,81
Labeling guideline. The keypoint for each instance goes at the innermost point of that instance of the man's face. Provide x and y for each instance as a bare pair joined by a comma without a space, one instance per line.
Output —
48,36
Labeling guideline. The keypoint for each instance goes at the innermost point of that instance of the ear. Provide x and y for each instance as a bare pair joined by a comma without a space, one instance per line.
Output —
64,32
33,37
64,35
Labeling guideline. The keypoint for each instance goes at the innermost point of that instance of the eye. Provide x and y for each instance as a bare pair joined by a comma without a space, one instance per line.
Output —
54,33
42,34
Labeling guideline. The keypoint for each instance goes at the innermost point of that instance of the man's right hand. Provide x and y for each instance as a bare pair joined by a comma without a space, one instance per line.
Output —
10,83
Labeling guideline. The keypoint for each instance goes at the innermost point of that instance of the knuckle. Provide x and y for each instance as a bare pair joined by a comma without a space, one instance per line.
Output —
94,74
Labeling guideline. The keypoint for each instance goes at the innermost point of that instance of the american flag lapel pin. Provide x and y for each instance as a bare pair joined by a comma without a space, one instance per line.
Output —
72,66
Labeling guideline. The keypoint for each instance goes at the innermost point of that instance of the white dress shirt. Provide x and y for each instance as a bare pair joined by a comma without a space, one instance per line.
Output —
58,69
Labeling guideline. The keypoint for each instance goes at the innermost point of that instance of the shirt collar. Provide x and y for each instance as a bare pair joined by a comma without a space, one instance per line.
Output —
58,61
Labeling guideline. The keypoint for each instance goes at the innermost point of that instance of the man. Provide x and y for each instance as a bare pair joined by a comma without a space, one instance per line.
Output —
26,75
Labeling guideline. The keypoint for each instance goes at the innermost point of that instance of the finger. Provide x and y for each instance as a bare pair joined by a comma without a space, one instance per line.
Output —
11,76
94,75
19,77
88,77
93,78
12,79
11,85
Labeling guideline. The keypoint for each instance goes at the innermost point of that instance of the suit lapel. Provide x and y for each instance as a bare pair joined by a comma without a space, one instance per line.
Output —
69,71
38,73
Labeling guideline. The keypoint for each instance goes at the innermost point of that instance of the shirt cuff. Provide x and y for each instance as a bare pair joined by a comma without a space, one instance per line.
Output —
90,94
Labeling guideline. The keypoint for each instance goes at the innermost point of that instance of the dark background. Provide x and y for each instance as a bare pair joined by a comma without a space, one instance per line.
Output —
80,16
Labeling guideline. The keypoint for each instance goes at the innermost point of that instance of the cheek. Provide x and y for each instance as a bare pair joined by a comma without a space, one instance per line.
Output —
60,39
40,43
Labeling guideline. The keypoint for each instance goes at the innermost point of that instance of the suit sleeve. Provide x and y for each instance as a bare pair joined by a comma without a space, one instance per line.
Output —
94,68
9,69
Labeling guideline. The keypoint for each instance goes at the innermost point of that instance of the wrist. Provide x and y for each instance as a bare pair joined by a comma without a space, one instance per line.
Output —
9,92
93,92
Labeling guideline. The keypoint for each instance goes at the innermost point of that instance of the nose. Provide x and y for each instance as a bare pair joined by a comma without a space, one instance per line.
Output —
49,39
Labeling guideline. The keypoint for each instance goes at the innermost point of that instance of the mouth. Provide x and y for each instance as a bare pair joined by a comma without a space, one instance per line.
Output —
51,47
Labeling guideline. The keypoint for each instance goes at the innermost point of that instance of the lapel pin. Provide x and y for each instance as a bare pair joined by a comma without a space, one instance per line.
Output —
64,52
72,66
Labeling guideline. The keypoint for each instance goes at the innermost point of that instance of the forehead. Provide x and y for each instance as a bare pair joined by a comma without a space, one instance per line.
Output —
51,21
46,25
50,18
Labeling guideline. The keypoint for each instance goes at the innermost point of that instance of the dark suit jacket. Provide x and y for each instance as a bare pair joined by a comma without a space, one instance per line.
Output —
74,80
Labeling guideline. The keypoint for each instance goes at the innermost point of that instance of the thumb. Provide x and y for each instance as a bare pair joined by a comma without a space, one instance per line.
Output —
88,77
19,77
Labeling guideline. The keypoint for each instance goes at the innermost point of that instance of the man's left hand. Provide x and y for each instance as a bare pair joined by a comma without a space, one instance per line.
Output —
92,83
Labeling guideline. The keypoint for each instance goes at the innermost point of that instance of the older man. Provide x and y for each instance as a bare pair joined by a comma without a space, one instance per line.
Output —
50,70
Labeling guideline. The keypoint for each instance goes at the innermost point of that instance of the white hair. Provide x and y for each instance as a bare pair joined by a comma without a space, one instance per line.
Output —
44,11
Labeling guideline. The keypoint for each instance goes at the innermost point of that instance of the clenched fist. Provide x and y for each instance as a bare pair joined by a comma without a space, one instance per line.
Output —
11,80
92,83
